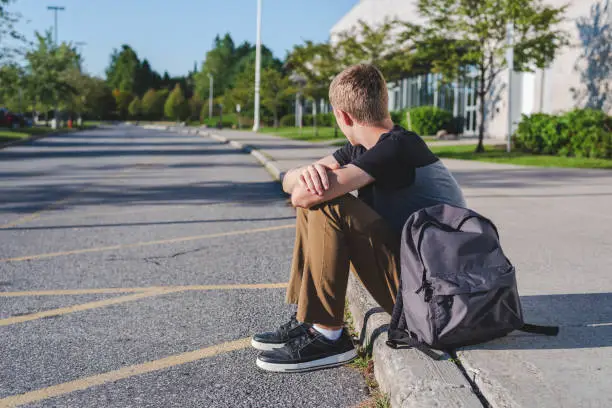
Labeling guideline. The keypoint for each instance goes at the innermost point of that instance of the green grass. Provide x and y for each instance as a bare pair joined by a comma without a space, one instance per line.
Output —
324,134
306,133
497,154
9,135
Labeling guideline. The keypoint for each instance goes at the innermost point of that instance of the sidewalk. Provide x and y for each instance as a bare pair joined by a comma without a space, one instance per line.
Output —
556,227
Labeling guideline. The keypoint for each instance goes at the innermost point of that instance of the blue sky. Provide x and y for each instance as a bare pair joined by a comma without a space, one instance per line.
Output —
175,34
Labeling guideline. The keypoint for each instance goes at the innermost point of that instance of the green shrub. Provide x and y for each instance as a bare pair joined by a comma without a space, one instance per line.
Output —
455,126
326,119
579,133
307,120
398,116
427,120
287,120
589,133
215,121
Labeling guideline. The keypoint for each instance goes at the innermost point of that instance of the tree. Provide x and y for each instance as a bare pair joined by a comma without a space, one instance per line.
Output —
148,104
195,107
48,68
122,71
134,108
146,78
176,107
122,101
13,80
275,91
378,44
97,97
460,36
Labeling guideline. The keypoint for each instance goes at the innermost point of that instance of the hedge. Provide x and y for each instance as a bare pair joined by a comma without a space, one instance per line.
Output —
428,120
287,120
579,133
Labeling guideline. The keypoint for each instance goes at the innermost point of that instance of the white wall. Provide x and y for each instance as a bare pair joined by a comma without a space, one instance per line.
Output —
375,11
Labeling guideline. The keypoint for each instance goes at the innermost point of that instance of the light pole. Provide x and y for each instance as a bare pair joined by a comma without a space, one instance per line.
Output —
55,10
257,67
510,63
210,95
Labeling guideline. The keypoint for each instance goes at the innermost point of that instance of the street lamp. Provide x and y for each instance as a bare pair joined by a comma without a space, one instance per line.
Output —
55,9
210,95
257,67
510,63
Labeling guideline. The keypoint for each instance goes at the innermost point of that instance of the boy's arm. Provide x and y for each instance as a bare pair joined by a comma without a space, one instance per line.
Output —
316,170
341,181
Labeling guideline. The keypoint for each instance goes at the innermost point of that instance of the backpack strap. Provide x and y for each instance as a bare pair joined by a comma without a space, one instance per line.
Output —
399,338
537,329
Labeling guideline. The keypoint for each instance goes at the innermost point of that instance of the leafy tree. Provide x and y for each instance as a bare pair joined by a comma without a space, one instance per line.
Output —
47,69
134,108
275,91
219,62
195,107
97,98
122,101
123,69
463,36
146,78
227,63
176,107
148,104
12,80
377,44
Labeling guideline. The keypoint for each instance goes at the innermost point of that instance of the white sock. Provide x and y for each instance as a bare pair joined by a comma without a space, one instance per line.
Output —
332,335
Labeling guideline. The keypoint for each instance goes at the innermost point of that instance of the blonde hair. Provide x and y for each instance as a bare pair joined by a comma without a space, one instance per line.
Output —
361,91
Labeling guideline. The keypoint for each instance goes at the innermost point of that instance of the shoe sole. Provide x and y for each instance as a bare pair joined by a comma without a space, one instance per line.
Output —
266,346
327,362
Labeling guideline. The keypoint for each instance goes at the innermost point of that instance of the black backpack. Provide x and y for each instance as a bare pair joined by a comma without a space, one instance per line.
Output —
457,287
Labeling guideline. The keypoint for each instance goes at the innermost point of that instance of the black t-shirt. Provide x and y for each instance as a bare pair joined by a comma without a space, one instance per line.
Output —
407,175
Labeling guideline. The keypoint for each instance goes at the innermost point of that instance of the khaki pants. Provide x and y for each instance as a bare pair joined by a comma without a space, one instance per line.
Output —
330,238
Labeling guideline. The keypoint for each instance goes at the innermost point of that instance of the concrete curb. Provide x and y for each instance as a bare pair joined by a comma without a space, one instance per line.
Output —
411,379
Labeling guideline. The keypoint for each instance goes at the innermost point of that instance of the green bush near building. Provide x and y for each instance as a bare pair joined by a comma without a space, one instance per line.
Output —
579,133
287,120
426,120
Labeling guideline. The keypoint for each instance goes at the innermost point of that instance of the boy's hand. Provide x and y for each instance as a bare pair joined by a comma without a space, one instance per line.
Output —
314,177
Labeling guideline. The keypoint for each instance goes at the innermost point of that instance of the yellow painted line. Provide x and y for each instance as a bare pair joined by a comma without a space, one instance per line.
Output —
123,373
84,306
142,244
61,292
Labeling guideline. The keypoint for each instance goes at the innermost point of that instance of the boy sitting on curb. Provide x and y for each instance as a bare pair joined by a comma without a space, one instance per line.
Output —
395,174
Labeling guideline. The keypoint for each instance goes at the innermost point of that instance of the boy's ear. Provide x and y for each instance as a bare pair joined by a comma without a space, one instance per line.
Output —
346,118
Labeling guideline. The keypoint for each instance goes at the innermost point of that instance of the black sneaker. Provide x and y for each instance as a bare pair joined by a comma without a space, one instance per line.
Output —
280,337
310,351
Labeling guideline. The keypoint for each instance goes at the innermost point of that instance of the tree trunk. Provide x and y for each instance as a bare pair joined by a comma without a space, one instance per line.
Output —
276,124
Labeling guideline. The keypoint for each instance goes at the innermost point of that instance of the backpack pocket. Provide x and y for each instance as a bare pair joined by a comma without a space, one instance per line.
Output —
466,314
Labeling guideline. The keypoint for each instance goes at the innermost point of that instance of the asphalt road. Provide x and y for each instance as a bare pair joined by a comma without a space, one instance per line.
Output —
134,266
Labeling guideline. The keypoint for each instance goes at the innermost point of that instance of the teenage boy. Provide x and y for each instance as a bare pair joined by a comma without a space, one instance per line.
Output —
395,174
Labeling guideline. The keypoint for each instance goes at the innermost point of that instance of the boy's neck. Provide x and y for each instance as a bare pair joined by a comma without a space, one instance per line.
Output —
369,135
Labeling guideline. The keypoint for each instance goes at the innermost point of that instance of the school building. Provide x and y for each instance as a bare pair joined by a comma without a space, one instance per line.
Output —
545,90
